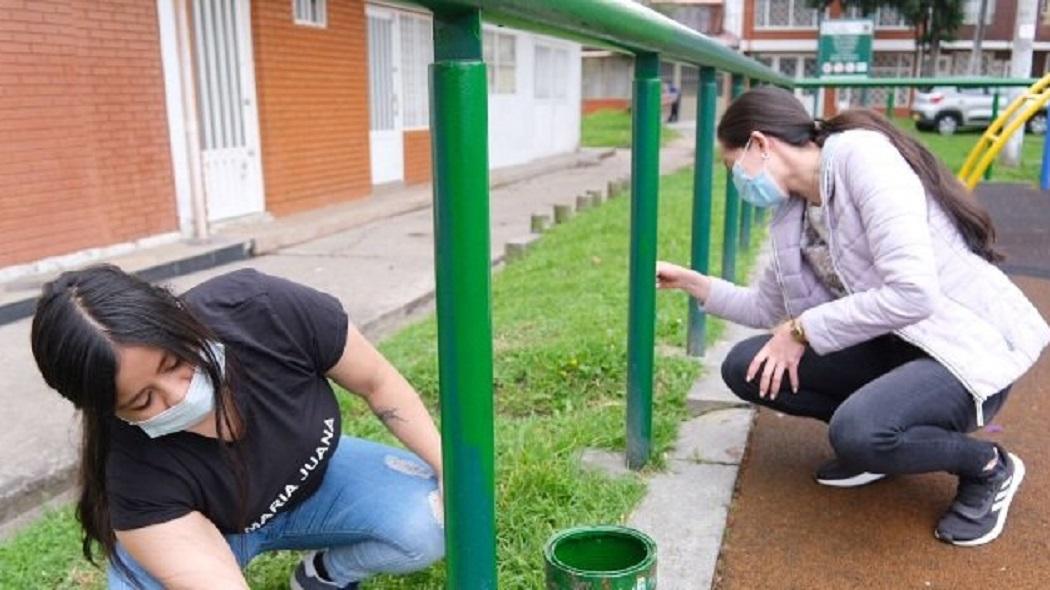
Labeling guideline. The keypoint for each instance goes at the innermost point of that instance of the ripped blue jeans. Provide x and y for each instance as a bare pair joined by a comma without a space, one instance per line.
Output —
377,511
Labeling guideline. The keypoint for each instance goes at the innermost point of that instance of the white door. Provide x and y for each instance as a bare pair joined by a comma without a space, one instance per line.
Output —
229,117
384,92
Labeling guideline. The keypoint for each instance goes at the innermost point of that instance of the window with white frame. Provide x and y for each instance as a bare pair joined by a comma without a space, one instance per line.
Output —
313,13
890,17
971,8
551,72
500,55
884,17
773,14
417,53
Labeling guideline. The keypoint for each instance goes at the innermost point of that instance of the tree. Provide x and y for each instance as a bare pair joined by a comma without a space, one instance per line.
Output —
933,22
978,40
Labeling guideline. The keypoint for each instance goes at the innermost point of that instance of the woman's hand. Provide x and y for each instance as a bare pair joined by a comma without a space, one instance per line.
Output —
781,353
672,276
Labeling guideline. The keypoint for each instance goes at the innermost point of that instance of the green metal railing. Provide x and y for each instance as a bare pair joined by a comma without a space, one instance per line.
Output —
645,180
459,126
961,82
459,135
703,179
731,233
459,132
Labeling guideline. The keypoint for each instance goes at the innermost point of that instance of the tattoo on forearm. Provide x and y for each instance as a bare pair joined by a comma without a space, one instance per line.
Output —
388,415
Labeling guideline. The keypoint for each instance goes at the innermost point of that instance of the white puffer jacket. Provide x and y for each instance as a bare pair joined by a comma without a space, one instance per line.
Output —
907,269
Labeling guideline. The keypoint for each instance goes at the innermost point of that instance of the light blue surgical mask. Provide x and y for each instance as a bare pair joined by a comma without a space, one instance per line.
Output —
194,407
760,190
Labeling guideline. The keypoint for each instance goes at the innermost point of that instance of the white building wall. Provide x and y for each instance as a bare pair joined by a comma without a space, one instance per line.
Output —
733,18
522,127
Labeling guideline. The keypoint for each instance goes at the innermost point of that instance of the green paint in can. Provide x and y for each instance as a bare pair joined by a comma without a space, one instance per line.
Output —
600,558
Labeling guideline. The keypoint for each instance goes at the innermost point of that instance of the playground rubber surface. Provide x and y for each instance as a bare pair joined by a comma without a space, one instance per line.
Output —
787,532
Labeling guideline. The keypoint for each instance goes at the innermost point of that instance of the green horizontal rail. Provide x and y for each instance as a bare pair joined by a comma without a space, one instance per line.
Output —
616,24
966,82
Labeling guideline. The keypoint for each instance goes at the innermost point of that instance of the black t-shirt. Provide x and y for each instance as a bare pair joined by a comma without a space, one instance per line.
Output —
281,338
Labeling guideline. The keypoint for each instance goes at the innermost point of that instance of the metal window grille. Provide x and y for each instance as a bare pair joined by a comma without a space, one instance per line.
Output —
417,53
312,13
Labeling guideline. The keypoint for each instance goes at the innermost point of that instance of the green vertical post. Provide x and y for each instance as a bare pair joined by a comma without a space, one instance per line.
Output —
746,213
758,212
459,143
703,179
645,180
995,115
732,211
891,96
746,209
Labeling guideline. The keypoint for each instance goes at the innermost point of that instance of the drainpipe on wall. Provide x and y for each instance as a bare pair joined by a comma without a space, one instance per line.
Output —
190,124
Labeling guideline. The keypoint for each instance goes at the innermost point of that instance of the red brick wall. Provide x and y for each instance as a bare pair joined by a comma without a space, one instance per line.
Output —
84,153
417,156
312,86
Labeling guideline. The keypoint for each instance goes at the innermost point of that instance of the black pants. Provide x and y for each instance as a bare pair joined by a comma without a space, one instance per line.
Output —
890,408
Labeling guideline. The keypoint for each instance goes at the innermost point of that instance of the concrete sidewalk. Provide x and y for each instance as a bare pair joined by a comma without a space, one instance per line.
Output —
162,258
382,271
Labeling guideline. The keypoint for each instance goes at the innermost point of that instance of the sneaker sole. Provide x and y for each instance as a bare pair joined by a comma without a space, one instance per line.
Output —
861,479
1000,522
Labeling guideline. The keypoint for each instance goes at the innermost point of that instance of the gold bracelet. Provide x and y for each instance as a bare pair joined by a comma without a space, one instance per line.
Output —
797,331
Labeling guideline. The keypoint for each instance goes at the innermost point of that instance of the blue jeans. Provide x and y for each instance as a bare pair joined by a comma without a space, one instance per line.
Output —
375,512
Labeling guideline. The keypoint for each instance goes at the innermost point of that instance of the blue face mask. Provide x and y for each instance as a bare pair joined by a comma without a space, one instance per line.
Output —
194,407
760,190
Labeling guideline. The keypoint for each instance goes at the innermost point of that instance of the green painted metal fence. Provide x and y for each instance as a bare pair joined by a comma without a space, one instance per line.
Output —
459,131
462,243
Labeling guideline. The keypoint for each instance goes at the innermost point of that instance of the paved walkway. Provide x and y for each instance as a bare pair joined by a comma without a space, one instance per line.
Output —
787,532
381,270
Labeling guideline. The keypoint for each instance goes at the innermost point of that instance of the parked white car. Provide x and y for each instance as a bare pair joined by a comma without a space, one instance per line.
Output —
948,109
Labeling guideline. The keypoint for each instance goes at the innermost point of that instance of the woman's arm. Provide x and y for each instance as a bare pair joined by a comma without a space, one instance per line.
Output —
187,553
761,306
364,371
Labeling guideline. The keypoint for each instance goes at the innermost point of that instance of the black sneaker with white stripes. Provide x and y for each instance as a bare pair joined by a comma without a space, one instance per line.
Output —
978,514
836,474
310,575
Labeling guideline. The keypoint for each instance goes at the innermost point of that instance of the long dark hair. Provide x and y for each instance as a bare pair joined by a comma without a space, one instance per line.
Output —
79,318
778,113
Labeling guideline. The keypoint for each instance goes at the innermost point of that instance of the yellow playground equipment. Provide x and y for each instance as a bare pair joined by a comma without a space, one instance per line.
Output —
998,133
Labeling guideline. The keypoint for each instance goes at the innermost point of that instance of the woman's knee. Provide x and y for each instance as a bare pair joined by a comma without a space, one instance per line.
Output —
736,364
421,532
428,547
860,441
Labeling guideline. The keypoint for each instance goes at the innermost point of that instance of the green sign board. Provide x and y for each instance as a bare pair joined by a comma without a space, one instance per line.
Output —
845,48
